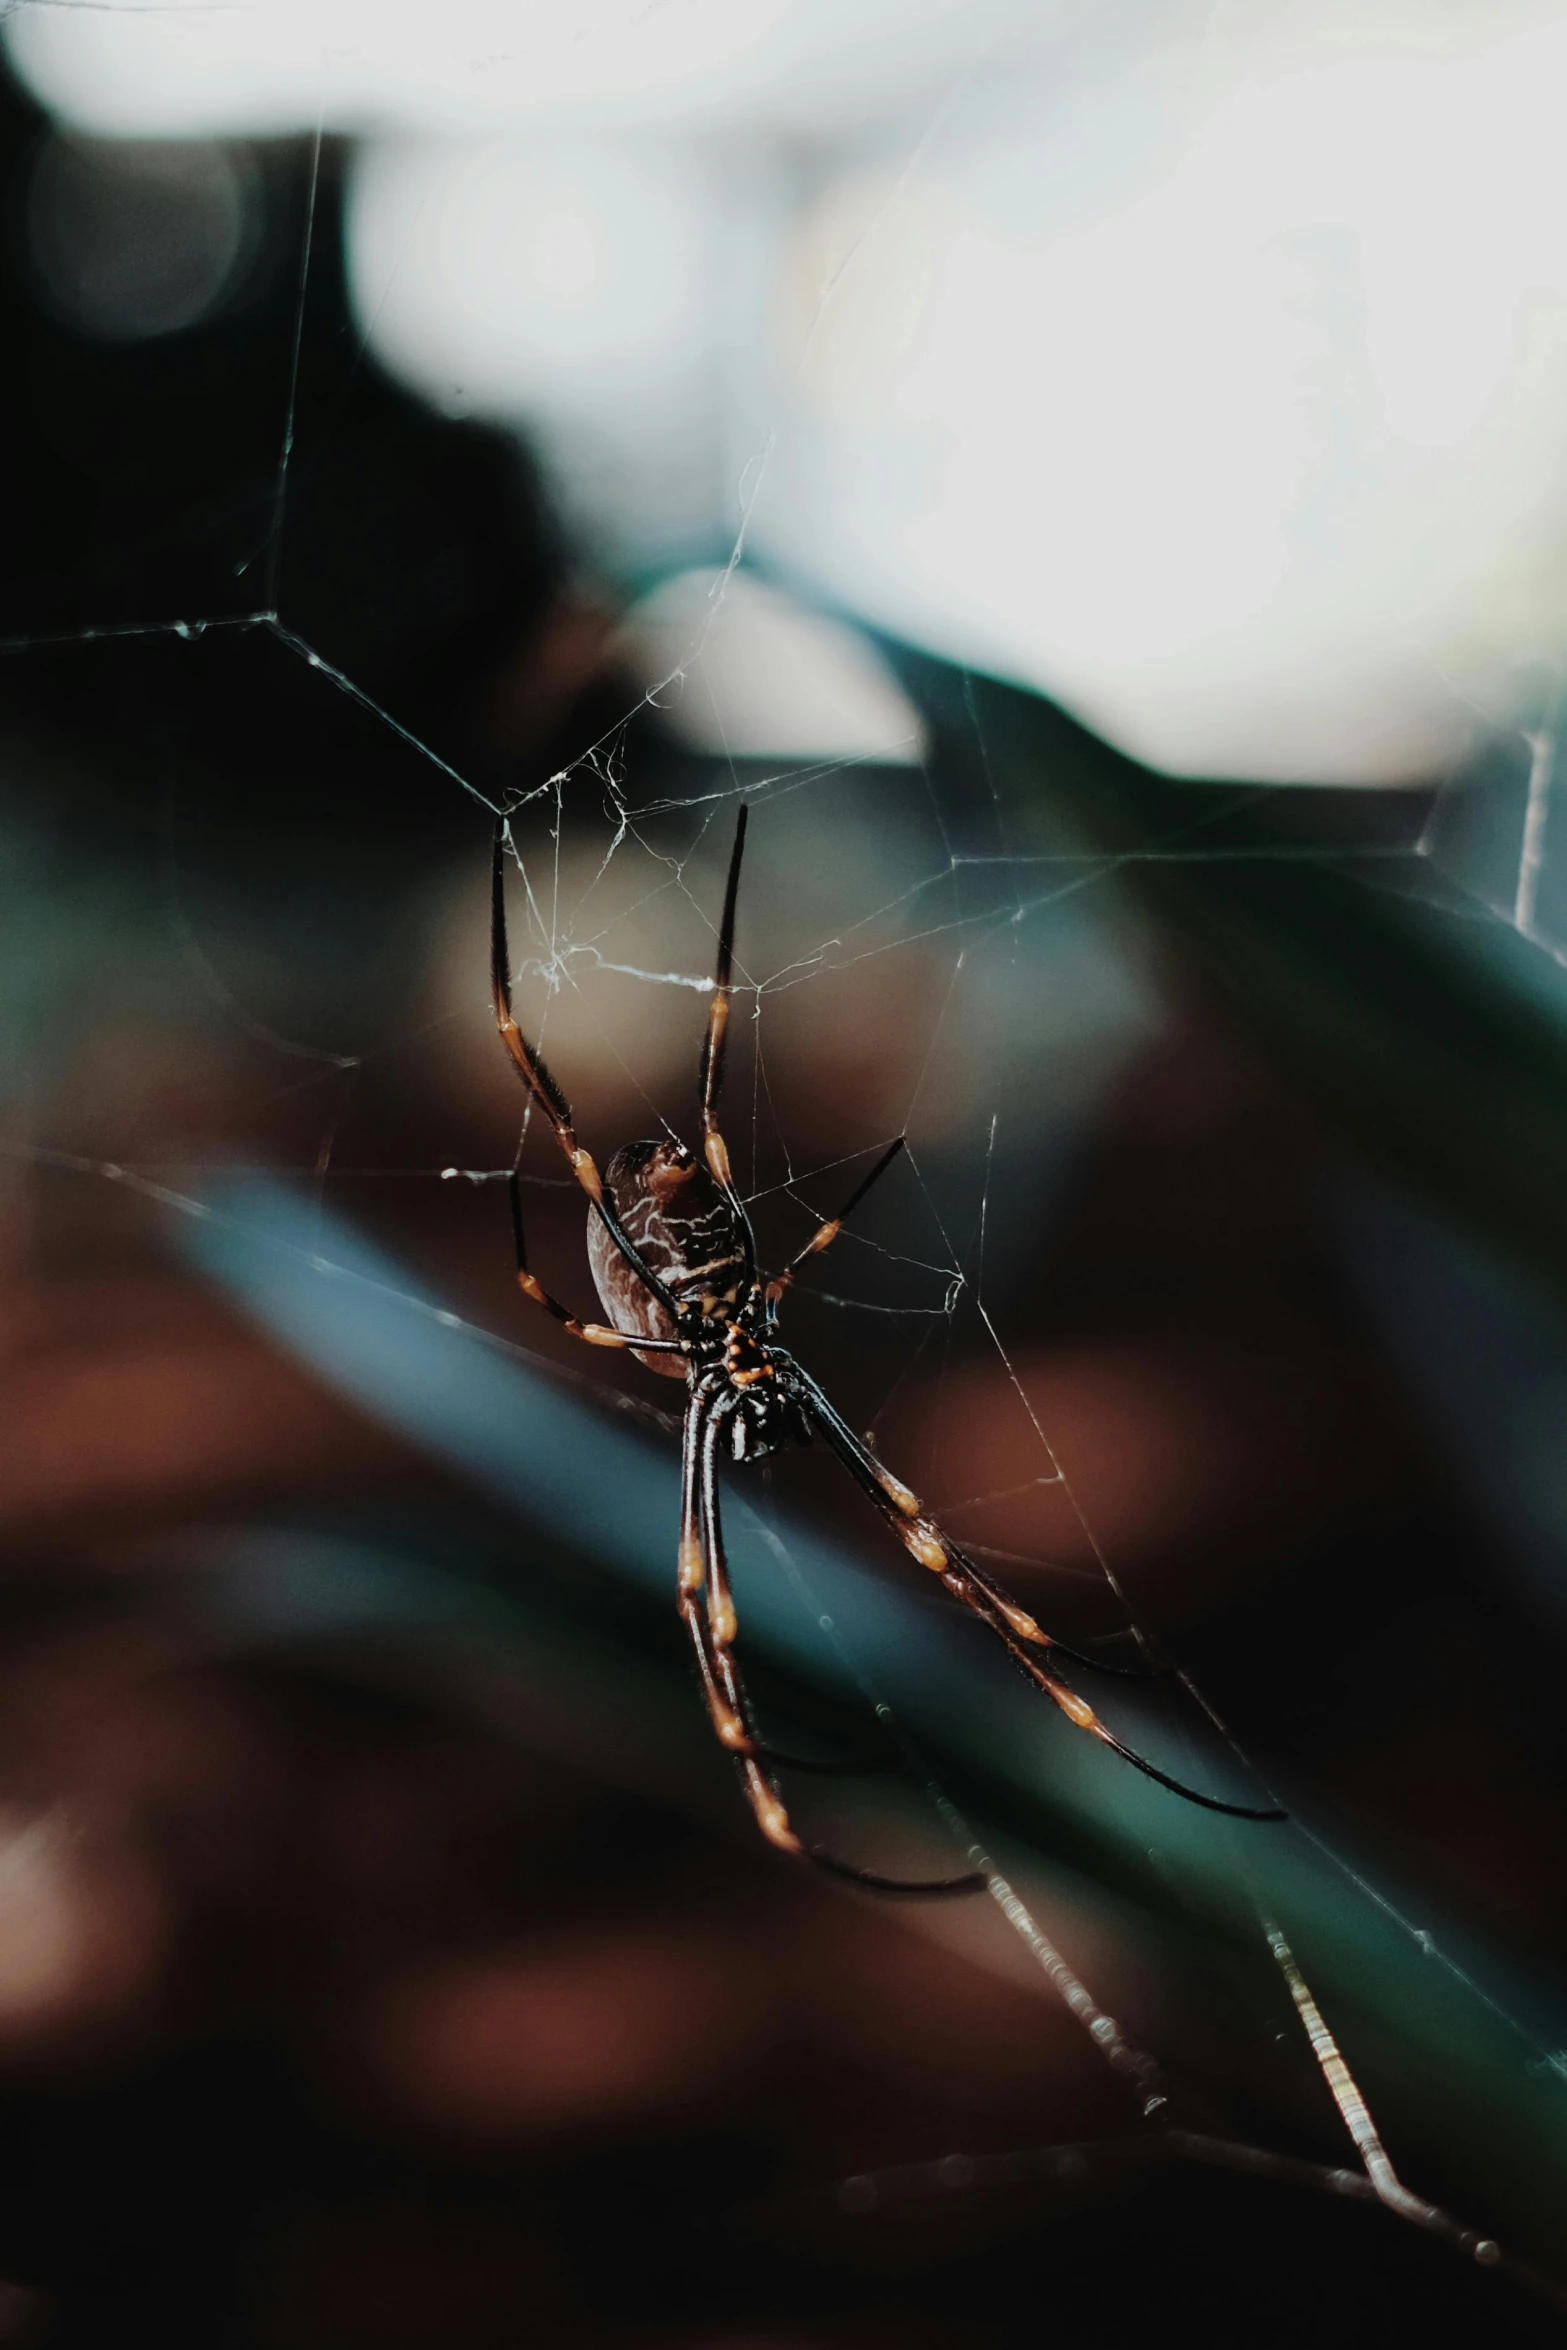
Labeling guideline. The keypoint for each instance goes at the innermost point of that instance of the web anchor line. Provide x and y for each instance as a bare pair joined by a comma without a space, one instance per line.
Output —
291,407
108,632
1157,2099
1424,1941
1356,2115
1065,2164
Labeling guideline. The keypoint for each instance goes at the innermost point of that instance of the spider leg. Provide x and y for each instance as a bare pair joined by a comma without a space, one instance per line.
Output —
710,1071
730,1721
531,1068
919,1533
825,1234
912,1523
702,1560
726,1699
594,1333
727,1703
894,1490
1019,1634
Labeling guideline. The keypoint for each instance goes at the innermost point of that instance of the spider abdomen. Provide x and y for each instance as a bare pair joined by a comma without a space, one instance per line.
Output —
687,1235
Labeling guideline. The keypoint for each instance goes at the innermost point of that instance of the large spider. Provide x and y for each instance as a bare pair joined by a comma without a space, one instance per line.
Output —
675,1264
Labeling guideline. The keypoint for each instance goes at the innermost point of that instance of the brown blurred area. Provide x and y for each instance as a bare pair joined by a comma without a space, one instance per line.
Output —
341,2001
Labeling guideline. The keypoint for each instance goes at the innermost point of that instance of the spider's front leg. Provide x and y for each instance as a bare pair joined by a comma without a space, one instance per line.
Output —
826,1233
530,1066
710,1071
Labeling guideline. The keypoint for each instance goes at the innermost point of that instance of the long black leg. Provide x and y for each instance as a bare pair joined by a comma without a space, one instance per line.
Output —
531,1068
727,1703
919,1533
823,1238
1017,1631
826,1234
730,1722
762,1795
916,1529
710,1072
924,1538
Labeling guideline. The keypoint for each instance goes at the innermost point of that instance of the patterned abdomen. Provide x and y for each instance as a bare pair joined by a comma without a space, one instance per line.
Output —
678,1221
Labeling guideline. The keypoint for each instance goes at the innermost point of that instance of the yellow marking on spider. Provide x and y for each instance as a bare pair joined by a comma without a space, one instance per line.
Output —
721,1620
732,1732
586,1173
692,1564
898,1493
718,1161
928,1548
823,1238
1077,1710
1022,1624
772,1819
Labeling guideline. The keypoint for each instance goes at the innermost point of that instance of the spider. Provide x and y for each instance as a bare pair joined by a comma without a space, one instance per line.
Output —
675,1263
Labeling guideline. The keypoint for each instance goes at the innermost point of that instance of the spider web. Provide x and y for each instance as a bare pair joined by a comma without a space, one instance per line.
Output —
1003,991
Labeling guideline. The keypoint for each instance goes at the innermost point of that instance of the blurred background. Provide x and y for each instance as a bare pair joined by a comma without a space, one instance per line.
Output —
1092,481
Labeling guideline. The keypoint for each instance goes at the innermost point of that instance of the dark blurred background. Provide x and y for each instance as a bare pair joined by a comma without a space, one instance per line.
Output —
383,1957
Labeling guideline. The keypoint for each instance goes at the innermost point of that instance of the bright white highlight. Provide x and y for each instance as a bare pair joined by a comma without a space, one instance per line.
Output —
745,672
565,286
808,67
1247,457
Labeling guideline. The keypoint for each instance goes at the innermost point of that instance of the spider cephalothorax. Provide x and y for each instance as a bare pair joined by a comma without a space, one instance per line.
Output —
675,1263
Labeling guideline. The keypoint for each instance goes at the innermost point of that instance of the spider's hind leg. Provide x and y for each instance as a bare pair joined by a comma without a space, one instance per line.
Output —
712,1630
1025,1642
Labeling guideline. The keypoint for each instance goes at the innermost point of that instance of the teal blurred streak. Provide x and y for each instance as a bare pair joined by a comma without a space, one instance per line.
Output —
1454,2046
